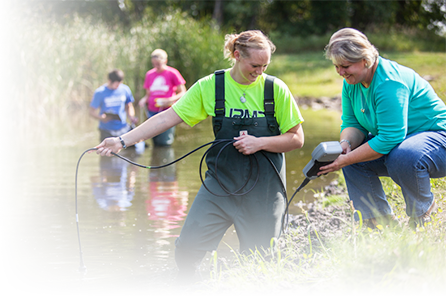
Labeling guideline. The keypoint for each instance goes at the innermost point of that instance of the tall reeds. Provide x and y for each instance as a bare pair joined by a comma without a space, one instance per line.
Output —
48,67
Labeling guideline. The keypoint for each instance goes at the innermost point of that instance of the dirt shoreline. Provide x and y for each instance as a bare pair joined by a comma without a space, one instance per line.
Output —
333,103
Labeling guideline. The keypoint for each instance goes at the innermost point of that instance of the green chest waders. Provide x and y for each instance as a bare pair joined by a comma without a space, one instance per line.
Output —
256,215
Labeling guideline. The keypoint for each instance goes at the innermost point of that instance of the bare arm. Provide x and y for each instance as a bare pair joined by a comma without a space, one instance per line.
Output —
292,139
357,153
153,126
130,110
354,136
143,101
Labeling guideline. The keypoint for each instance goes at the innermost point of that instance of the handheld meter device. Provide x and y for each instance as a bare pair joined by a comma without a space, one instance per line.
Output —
325,153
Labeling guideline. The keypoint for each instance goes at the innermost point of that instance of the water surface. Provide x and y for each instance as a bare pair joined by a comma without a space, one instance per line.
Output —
129,217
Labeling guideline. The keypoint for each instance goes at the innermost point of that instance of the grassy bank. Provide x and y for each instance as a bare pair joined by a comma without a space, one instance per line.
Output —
325,252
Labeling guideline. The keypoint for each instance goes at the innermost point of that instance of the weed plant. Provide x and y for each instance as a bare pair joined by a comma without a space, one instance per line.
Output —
263,271
392,262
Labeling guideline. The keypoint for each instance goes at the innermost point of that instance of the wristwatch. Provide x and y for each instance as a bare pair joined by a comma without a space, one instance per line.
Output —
347,141
122,143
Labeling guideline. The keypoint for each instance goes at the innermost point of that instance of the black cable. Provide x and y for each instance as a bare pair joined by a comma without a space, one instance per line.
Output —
236,192
170,163
82,267
214,144
304,183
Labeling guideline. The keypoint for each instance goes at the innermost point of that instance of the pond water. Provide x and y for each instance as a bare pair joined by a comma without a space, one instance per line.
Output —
129,217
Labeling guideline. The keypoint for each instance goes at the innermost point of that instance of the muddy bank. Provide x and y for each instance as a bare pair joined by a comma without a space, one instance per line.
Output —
321,223
333,103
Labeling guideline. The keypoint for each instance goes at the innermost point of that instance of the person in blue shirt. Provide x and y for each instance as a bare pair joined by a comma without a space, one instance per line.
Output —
393,124
112,103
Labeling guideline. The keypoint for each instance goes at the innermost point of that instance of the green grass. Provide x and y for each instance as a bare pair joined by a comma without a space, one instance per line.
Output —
307,74
396,259
352,260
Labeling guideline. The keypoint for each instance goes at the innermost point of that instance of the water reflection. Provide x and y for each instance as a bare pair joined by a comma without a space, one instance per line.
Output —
165,203
114,188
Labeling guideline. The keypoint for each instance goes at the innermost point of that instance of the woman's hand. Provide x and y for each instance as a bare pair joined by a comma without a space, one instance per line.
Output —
108,146
359,154
247,144
334,166
339,162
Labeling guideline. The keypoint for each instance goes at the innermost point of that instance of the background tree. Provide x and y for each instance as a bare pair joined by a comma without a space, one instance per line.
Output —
292,18
372,14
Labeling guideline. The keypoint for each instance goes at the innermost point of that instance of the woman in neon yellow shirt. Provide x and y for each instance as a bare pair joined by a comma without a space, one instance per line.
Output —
260,114
393,124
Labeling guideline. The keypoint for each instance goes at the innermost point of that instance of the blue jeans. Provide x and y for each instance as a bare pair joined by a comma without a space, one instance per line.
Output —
411,164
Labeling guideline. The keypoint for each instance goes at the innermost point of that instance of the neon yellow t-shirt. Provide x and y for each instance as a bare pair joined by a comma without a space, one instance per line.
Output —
199,101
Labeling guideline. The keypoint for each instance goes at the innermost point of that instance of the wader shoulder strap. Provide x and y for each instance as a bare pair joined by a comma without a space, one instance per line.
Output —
268,103
219,100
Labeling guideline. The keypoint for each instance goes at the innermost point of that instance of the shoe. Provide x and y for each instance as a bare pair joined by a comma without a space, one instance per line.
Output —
370,223
389,221
423,219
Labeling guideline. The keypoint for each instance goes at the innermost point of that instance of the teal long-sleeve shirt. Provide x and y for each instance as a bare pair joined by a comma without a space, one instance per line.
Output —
397,103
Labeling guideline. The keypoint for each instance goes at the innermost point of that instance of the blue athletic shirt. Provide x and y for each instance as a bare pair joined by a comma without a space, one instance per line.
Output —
397,103
114,102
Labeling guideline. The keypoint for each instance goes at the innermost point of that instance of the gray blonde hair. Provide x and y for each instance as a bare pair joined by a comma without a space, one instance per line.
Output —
159,54
251,39
352,46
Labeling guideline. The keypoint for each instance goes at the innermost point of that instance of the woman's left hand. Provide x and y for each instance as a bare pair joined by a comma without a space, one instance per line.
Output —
334,166
247,144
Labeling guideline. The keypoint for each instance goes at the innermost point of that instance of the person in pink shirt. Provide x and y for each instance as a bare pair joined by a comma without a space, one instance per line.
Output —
164,86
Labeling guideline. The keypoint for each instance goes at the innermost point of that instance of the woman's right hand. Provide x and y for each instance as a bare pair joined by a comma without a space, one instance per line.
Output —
108,146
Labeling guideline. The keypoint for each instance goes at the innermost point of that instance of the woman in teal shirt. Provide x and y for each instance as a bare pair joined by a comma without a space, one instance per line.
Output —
393,124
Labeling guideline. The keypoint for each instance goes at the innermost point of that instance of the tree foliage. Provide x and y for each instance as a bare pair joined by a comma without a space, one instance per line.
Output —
298,18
